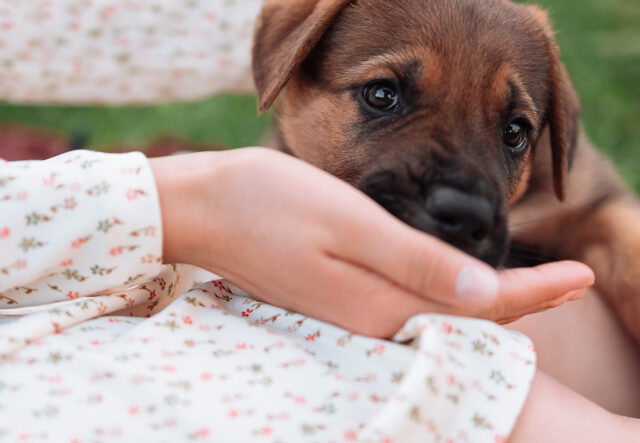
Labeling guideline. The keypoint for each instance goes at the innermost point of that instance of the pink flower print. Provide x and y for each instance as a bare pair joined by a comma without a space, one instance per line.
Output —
22,195
447,328
148,259
350,435
202,433
70,203
80,241
267,430
378,349
299,400
206,376
115,251
187,320
133,194
102,308
247,312
94,342
49,181
241,346
149,231
169,368
312,337
107,12
66,263
451,380
133,410
352,396
24,437
233,413
21,264
5,232
152,295
75,440
55,379
211,16
72,295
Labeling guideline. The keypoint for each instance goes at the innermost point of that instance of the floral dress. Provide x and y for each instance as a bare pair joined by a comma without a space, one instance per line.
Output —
101,342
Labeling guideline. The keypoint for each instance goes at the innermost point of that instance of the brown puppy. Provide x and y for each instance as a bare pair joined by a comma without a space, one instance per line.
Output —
458,117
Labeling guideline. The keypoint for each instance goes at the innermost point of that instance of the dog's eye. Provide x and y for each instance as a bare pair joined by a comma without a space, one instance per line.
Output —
382,96
515,136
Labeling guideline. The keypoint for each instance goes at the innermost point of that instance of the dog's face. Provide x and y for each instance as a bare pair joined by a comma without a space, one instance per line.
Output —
432,108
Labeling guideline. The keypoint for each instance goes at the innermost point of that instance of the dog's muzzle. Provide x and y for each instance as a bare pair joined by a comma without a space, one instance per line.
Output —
471,219
462,219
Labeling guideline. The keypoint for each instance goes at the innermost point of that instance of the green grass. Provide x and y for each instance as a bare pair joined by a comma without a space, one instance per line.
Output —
600,42
228,121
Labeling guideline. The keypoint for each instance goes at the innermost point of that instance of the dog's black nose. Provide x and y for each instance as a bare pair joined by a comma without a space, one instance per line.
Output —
462,219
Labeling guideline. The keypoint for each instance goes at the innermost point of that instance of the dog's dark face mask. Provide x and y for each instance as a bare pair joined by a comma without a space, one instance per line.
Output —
432,108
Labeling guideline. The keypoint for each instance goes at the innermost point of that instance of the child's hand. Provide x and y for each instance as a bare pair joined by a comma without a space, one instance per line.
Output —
301,239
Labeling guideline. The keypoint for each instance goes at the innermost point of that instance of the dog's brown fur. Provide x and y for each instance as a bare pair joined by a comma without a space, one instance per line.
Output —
464,65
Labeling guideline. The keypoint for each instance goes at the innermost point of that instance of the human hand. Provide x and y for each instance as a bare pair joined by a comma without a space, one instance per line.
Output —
299,238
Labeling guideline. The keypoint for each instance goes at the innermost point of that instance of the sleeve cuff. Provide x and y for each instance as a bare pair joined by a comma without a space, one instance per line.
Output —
468,382
82,223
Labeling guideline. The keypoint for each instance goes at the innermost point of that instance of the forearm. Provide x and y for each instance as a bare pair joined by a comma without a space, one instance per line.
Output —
554,413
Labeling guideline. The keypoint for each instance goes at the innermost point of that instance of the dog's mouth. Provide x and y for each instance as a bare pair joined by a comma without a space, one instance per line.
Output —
468,220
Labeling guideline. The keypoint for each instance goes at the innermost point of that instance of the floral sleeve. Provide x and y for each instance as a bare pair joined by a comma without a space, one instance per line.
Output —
143,51
75,225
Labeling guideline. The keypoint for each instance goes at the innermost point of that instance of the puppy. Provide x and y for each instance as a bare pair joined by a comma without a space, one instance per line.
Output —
458,117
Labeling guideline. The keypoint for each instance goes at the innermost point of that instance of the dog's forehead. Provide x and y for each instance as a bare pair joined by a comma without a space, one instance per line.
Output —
472,38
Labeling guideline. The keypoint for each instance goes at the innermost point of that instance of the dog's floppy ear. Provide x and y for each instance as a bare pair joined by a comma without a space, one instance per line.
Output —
563,111
286,32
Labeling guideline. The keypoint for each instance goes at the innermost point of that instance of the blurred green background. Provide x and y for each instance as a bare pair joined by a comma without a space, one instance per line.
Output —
600,42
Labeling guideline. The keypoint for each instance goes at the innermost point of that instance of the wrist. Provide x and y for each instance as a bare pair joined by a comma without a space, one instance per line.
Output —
179,182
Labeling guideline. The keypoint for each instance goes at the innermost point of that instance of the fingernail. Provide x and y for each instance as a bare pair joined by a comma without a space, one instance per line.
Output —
477,285
576,295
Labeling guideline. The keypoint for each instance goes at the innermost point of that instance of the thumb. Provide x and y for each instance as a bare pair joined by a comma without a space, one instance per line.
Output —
421,263
527,290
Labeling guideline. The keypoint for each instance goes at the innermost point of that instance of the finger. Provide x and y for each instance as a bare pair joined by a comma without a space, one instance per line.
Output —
528,290
420,263
364,302
571,296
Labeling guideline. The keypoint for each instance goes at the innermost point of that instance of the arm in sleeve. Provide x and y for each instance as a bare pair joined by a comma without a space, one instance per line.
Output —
77,224
125,52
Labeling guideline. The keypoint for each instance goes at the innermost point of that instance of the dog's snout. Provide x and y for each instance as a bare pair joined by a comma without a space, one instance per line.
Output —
460,218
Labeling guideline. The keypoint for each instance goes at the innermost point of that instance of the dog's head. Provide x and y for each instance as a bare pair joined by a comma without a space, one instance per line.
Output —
435,109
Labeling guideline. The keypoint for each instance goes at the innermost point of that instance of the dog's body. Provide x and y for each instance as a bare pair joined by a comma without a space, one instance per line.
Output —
458,117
